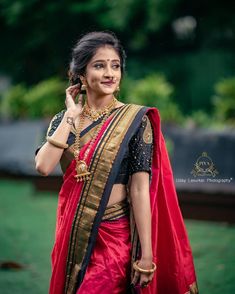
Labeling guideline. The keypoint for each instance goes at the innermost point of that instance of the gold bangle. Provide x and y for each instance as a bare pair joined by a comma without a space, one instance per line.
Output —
56,143
144,271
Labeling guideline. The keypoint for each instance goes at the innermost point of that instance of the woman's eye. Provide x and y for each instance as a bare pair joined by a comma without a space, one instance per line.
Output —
98,65
116,66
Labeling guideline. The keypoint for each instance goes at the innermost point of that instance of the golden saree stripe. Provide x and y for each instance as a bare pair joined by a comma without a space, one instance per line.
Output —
116,211
78,226
100,168
81,248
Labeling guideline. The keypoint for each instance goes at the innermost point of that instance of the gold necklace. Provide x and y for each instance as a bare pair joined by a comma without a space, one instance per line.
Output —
82,172
95,114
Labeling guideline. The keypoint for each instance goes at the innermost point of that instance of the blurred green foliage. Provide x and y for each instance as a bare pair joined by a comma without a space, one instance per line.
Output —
155,90
199,118
13,104
193,74
37,37
42,100
224,100
47,98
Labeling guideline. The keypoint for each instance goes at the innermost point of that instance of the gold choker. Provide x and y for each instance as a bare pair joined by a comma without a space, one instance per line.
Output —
95,114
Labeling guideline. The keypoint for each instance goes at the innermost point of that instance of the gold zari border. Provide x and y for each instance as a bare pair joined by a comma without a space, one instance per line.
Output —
105,155
116,211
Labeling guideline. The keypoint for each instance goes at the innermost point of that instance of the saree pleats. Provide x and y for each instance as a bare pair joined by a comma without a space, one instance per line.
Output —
109,267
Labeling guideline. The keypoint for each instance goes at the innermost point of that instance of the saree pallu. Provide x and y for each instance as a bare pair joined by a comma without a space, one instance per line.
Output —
172,253
80,230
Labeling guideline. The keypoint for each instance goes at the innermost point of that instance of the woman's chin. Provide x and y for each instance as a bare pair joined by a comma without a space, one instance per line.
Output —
107,92
103,91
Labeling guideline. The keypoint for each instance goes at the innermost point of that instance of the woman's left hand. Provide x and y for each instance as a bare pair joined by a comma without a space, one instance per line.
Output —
143,279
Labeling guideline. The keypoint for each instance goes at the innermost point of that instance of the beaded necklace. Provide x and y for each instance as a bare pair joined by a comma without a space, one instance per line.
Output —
82,172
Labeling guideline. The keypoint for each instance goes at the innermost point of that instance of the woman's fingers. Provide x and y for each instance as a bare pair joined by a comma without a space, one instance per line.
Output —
72,91
145,280
136,278
71,94
80,99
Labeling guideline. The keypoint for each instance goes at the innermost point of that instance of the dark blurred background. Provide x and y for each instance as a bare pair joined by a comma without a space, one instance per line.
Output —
187,47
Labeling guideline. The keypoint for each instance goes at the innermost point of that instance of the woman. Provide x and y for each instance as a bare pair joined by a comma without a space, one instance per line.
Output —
119,228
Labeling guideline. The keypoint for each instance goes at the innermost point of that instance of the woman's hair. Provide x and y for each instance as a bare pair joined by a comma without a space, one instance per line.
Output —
86,48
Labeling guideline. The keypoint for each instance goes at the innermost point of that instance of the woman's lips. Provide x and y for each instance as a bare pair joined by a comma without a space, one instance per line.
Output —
109,83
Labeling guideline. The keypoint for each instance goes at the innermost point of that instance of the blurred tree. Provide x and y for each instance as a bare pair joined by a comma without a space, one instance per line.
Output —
39,34
42,100
192,42
13,105
224,100
155,90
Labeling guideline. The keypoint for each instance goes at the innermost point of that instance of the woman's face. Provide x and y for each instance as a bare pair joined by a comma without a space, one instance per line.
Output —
103,72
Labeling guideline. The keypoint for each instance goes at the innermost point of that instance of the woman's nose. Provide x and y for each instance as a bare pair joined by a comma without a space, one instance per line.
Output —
108,71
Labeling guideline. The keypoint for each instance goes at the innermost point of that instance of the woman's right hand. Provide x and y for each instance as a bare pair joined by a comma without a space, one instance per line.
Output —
70,101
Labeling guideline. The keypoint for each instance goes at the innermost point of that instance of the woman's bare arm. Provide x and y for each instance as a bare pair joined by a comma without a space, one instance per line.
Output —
140,199
49,155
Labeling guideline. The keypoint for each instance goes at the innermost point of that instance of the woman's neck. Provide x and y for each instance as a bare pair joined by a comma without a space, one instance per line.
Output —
97,102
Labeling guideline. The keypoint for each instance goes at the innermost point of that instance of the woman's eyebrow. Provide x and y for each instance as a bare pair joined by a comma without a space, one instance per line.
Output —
104,60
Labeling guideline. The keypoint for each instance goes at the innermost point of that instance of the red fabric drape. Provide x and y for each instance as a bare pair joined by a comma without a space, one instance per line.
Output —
108,271
68,200
171,248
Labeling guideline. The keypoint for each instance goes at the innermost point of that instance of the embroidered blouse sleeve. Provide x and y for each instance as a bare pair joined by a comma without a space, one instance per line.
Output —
140,148
52,127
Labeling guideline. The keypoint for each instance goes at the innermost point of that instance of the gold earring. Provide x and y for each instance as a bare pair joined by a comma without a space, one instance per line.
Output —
83,89
116,92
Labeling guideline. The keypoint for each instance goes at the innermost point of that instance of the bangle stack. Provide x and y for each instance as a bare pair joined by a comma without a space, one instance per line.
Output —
144,271
56,143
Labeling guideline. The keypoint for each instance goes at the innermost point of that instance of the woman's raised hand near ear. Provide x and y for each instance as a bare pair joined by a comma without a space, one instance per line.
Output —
72,107
49,155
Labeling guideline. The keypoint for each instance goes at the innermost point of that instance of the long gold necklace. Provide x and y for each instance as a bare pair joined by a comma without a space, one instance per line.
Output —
95,114
82,172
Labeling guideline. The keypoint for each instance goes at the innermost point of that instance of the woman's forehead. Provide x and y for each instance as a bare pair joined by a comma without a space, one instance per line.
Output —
106,53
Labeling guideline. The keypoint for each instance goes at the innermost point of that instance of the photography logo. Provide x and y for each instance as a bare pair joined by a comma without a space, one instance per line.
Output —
204,166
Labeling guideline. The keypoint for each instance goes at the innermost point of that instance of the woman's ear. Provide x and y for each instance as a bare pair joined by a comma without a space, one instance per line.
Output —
83,79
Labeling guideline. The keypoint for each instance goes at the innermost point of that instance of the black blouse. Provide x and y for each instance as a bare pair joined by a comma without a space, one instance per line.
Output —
138,156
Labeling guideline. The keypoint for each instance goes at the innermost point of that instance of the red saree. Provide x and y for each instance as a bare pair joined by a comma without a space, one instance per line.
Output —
83,242
172,253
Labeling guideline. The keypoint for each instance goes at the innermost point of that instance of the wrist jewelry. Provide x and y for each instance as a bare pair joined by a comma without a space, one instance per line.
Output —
144,271
56,143
69,120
